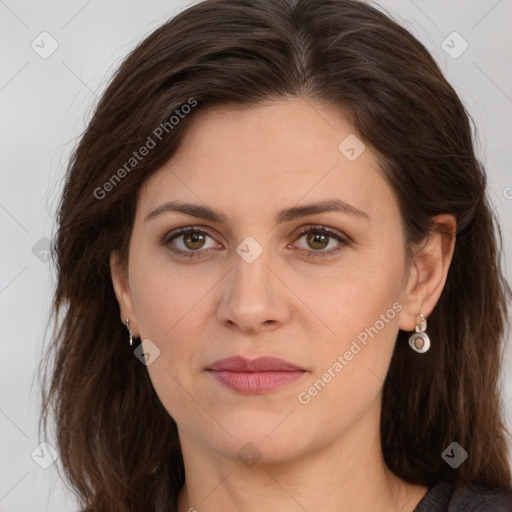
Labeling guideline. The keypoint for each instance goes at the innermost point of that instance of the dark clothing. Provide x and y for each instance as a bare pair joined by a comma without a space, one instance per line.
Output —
443,497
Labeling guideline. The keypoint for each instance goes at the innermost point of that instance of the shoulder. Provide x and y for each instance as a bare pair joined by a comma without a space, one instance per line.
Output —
445,497
480,499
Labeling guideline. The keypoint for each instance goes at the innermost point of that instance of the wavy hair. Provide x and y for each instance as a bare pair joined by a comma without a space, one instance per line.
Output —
118,445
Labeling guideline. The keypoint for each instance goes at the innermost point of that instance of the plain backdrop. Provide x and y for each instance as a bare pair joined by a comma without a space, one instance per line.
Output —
45,103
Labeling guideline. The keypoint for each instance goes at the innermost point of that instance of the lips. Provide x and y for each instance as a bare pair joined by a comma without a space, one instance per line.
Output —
255,376
260,364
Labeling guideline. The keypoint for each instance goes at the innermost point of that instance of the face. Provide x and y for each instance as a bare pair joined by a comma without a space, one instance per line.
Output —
321,290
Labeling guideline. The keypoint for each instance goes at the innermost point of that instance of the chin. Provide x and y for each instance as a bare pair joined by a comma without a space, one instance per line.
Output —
260,441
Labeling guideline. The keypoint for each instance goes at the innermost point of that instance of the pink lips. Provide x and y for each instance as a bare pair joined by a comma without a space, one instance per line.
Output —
254,376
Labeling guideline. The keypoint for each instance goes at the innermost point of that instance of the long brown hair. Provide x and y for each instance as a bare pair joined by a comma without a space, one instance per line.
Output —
118,445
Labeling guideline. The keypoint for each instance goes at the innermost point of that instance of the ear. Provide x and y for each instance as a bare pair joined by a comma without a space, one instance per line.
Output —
119,275
428,271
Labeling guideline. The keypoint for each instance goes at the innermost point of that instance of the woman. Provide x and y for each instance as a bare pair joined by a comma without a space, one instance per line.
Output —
271,201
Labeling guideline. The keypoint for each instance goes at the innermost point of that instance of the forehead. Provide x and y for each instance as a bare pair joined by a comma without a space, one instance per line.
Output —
268,156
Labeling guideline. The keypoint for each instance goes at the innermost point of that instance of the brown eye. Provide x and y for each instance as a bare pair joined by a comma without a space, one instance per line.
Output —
317,241
193,240
188,241
319,238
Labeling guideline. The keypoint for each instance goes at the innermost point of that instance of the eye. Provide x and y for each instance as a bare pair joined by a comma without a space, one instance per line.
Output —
318,238
190,240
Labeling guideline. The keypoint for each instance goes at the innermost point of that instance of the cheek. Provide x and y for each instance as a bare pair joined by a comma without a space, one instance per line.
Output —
172,316
165,314
360,294
362,311
166,297
365,323
350,369
171,308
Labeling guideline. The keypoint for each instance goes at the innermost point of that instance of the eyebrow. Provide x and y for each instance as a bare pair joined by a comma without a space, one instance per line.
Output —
285,215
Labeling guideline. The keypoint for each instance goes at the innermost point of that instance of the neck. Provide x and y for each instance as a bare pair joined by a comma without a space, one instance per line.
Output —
348,474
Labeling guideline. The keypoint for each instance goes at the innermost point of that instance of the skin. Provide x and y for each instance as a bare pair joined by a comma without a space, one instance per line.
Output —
248,164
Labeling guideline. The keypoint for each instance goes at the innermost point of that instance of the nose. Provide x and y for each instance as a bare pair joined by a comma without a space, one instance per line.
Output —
253,297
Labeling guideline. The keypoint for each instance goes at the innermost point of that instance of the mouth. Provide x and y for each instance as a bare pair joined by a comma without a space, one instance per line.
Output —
255,376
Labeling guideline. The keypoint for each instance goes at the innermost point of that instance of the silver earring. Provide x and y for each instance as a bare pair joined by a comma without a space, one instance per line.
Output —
129,331
419,340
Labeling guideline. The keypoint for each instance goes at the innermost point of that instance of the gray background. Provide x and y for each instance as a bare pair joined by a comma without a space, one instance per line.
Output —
45,104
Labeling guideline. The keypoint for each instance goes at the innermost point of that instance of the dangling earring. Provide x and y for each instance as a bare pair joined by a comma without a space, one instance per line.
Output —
129,331
419,341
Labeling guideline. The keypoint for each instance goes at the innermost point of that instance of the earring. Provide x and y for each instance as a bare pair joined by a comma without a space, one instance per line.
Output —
129,331
419,341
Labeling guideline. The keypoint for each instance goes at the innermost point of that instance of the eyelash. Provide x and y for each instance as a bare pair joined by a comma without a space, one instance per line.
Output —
344,240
